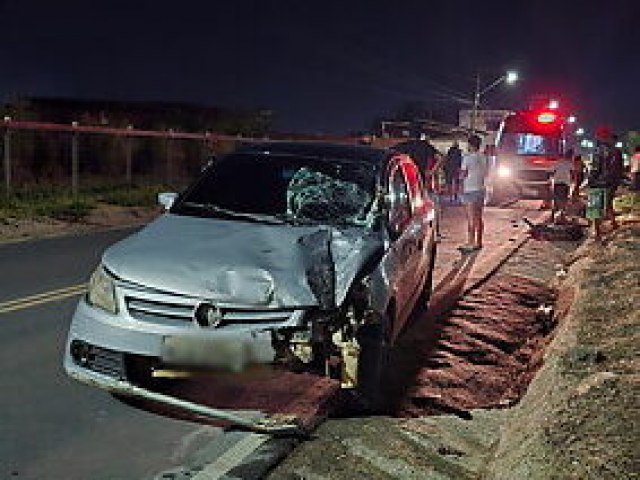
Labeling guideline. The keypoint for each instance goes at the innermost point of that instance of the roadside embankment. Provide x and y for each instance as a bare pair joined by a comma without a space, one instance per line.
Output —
580,417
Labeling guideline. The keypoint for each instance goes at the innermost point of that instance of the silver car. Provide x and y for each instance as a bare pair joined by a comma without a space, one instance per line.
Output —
306,256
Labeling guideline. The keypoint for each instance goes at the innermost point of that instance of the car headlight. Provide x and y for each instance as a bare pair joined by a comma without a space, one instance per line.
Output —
102,292
504,171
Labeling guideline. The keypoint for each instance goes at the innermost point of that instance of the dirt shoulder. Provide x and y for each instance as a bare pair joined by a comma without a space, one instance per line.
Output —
103,217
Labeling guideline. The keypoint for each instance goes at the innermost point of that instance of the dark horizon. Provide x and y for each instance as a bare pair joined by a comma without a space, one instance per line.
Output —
326,67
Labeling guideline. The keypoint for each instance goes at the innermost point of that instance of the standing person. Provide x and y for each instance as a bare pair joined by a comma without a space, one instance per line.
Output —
452,170
615,174
602,182
429,161
560,185
634,170
473,172
577,176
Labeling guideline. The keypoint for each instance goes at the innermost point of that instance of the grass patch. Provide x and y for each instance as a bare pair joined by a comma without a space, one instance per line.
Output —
59,207
145,196
43,202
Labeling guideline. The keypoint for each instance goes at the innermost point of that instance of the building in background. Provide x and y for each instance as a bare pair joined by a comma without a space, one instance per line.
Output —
487,122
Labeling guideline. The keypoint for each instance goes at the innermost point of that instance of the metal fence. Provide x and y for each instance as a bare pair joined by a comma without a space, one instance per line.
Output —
77,157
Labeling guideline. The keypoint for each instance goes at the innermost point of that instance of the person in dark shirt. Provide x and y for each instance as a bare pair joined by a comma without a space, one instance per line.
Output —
452,170
422,152
430,162
603,180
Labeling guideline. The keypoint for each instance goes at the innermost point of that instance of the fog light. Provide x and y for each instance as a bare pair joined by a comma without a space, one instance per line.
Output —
79,352
504,171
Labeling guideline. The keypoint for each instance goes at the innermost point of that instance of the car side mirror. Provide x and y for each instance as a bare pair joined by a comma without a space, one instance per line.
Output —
166,199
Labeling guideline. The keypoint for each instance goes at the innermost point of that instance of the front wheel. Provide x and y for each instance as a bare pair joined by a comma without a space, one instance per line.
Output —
373,362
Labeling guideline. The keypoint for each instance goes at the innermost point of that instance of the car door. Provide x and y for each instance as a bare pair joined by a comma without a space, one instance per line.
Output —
421,227
402,251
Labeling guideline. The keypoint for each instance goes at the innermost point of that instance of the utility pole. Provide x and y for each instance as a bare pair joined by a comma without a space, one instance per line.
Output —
74,162
129,156
476,104
7,159
509,77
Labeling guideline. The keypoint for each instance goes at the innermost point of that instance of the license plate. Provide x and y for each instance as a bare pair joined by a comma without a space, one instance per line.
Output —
220,353
228,353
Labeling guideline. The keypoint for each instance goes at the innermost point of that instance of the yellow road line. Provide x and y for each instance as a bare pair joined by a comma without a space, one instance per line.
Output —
40,298
40,295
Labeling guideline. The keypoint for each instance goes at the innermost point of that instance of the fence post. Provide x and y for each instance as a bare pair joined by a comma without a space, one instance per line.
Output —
74,161
7,158
129,156
169,147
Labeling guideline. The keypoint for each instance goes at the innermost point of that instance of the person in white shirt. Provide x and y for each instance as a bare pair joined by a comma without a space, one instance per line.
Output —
473,172
560,186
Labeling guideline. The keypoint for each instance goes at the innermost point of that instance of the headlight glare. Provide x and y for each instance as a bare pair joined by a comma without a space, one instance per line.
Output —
504,171
102,293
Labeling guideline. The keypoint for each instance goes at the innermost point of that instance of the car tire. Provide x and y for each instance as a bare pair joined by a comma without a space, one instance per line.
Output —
372,365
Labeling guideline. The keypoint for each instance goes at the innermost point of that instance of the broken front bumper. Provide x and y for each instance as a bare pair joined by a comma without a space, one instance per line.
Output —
99,342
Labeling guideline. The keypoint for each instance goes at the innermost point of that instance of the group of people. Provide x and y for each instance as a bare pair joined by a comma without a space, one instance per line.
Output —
460,177
605,176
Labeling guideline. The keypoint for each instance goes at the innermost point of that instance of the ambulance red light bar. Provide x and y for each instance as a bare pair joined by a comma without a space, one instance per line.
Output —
547,117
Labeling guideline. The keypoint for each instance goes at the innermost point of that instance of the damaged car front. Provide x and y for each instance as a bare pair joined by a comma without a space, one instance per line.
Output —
307,257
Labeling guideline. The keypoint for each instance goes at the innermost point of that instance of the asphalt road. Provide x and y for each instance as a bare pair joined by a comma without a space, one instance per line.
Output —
52,427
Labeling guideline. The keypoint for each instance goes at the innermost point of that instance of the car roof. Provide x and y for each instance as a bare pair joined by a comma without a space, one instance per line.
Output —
320,150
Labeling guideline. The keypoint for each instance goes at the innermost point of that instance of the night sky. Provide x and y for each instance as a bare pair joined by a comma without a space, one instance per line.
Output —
325,66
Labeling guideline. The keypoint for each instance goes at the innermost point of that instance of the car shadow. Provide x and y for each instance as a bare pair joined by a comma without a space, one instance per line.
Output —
415,346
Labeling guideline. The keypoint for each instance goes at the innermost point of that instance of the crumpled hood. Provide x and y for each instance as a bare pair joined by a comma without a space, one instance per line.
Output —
241,263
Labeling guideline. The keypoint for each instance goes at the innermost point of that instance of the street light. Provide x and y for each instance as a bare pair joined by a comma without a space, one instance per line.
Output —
580,131
510,77
554,104
571,119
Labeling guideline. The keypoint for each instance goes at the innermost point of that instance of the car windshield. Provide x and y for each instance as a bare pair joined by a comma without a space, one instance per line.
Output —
283,188
529,144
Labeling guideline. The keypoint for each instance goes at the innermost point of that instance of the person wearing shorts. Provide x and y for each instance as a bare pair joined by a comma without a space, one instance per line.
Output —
602,182
560,187
473,172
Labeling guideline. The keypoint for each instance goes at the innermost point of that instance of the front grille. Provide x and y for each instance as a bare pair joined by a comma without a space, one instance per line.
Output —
534,175
145,310
172,312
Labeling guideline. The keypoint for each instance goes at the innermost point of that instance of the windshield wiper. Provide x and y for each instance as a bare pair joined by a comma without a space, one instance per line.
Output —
232,214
